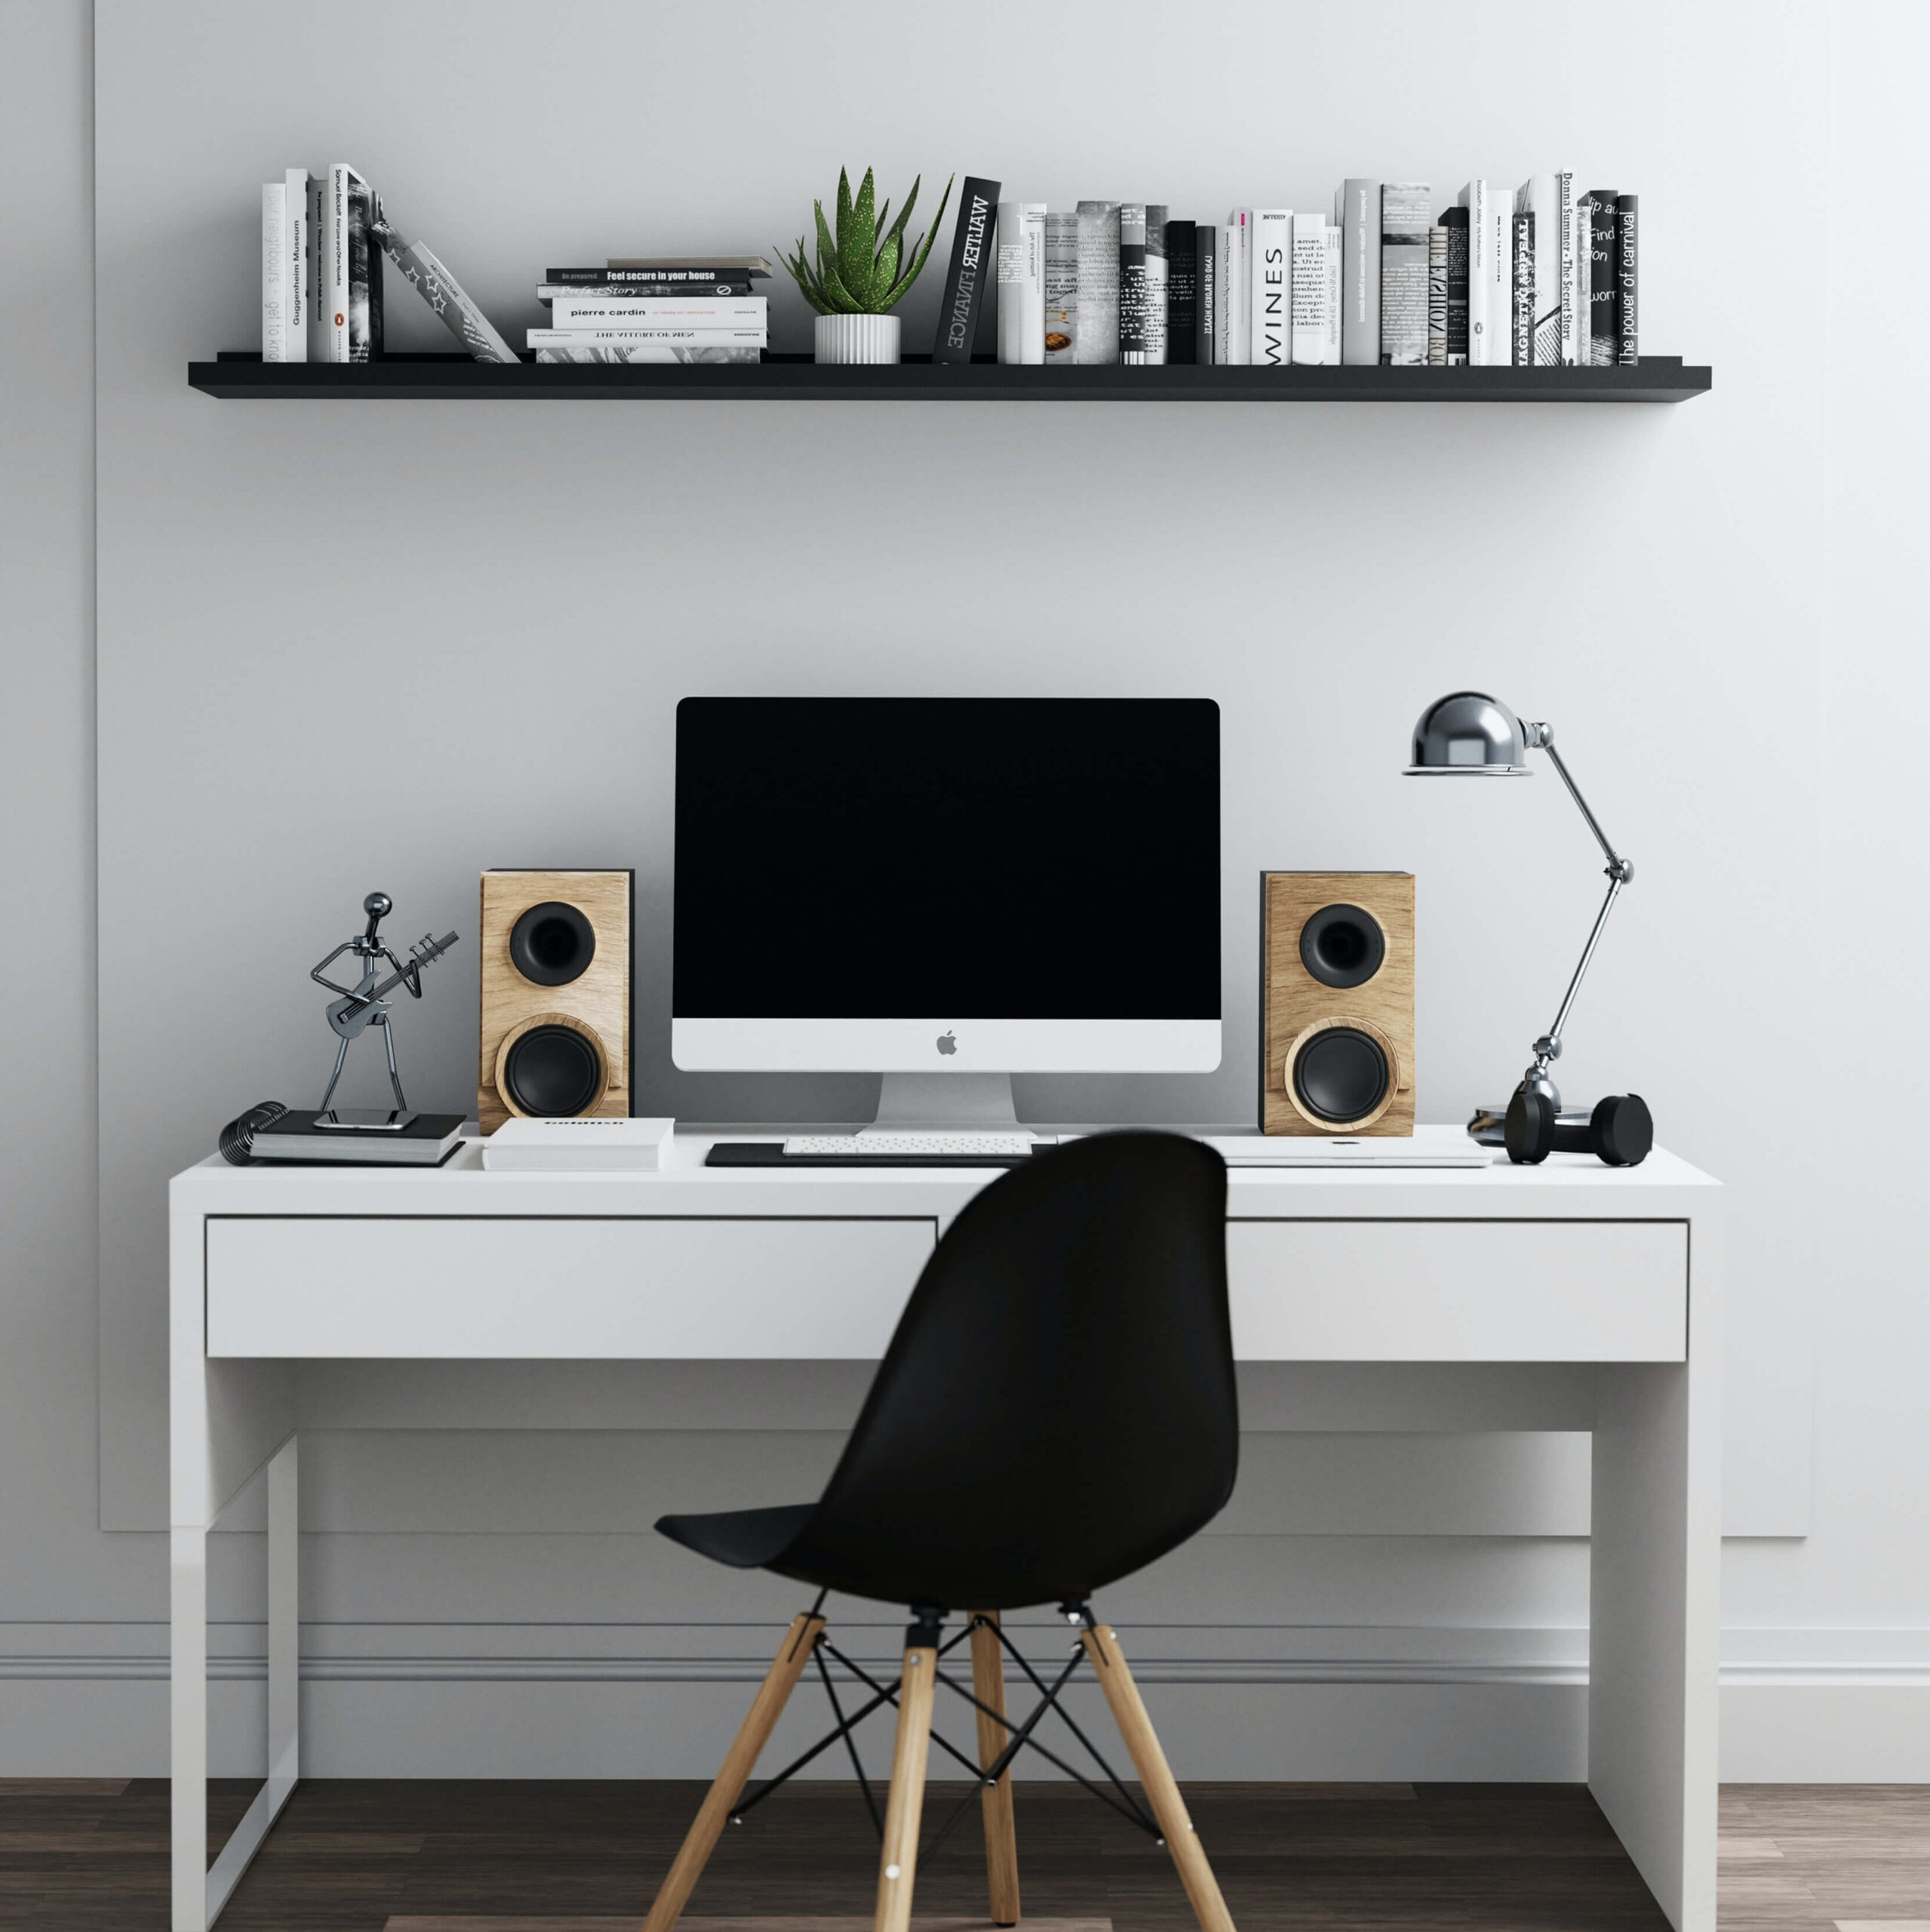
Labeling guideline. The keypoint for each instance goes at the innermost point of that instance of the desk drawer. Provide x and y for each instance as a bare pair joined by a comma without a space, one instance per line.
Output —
544,1288
1459,1290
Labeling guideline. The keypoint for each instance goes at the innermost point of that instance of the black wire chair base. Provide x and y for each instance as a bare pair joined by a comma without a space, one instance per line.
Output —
1018,1737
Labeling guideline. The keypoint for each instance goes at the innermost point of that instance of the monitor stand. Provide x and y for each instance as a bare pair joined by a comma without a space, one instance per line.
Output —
947,1103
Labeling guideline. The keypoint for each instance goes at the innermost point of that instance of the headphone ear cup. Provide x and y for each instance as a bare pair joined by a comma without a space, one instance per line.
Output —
1530,1128
1621,1130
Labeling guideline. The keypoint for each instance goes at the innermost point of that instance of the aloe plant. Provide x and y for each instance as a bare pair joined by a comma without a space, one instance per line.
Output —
857,272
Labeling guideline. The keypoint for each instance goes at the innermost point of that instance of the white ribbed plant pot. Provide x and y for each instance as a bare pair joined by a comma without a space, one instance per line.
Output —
857,339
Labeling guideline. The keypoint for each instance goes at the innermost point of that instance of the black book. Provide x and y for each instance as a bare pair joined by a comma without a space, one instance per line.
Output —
1455,220
1604,310
1205,285
364,212
729,285
1182,292
1625,340
1132,281
969,279
654,281
426,1142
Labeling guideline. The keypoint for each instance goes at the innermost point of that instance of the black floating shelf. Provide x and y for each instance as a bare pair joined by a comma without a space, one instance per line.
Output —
244,376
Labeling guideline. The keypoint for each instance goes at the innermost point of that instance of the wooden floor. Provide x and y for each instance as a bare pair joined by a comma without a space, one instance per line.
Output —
349,1856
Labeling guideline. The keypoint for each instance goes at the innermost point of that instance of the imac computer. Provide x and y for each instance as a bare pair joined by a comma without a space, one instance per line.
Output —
947,891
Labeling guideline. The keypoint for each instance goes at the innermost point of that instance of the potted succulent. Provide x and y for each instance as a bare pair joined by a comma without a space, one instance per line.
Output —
856,282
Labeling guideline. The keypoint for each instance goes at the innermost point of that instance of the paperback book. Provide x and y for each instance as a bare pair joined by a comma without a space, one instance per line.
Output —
1061,291
1238,293
1316,290
578,312
1455,222
418,265
1437,296
1209,239
1357,215
1133,301
1405,221
1604,284
1490,274
578,350
1628,349
1098,340
1273,282
1021,281
1523,233
1182,292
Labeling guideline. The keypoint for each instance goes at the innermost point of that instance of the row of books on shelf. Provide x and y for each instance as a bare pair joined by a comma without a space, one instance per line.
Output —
1543,276
655,309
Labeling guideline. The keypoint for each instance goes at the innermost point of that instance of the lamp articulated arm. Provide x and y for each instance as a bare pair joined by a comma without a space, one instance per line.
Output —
1547,1048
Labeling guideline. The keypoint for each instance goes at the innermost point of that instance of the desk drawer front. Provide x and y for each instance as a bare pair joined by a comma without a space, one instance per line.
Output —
503,1286
1459,1290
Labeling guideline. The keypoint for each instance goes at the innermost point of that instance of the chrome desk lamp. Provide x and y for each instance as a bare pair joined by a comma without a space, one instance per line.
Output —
1468,734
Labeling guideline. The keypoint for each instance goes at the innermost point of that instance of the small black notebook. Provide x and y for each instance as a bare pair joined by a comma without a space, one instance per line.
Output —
426,1142
771,1154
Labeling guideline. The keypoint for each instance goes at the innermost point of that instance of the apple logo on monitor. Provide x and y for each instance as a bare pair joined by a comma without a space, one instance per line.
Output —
948,1043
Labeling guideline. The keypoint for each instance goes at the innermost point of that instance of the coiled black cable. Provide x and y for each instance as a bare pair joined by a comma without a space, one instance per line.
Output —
238,1137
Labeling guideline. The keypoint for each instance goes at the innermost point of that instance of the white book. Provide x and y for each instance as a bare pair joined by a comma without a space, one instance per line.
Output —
1316,290
1021,281
1272,293
317,195
693,338
1098,338
1061,290
1574,259
299,256
1223,253
1155,318
335,262
274,272
1240,287
580,1146
1540,196
584,351
619,312
1490,275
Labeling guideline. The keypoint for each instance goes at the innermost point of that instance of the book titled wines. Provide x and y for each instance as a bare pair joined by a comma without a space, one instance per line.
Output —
1240,287
968,276
417,264
1523,240
1208,237
1097,341
1316,290
1182,292
1357,215
1604,321
1021,281
1627,346
1133,281
577,311
1273,287
1544,197
1062,287
1405,220
1490,274
1158,269
643,352
1437,296
273,271
1454,221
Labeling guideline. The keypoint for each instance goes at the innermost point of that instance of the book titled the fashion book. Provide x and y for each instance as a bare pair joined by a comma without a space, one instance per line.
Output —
1021,281
1099,283
1405,220
1273,287
968,279
1062,287
1357,216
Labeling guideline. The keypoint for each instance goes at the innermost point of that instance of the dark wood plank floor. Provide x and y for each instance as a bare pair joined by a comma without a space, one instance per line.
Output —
346,1856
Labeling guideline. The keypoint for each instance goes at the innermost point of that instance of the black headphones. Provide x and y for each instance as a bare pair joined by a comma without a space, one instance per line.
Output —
1619,1131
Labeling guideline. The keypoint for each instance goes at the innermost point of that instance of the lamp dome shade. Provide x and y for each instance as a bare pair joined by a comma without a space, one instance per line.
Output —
1469,734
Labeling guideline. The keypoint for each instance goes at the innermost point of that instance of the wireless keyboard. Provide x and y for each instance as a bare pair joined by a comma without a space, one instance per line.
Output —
921,1146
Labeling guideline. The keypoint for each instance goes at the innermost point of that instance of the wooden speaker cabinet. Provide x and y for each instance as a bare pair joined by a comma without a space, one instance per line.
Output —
558,1016
1337,1003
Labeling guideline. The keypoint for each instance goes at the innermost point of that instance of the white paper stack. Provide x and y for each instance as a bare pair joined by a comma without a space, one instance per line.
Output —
580,1146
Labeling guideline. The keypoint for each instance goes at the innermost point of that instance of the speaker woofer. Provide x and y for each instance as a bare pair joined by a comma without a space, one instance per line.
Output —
1341,1074
1342,946
552,944
552,1067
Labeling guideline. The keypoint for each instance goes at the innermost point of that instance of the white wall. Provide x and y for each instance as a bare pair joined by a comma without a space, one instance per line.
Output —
244,706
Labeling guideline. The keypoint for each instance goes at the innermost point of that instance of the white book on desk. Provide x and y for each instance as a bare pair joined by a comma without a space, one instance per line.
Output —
1430,1147
577,1146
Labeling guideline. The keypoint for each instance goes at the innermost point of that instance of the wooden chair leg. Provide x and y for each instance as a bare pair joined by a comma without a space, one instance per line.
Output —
995,1800
1202,1890
898,1861
738,1763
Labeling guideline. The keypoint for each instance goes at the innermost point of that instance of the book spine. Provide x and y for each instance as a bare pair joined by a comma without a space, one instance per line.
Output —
335,263
694,338
645,352
364,274
614,272
1182,292
1223,293
416,262
1359,218
1459,284
1021,281
316,274
1097,341
1572,324
1438,299
1604,325
1404,226
1524,287
1062,289
1310,322
1132,281
1335,280
733,289
580,312
967,277
1240,287
297,256
1206,238
1159,271
1273,287
273,271
1628,349
1490,275
1540,196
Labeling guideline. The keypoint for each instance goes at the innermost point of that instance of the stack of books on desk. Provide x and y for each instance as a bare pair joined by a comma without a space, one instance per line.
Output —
668,309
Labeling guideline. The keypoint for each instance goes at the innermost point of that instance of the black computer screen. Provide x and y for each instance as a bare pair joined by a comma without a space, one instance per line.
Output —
909,858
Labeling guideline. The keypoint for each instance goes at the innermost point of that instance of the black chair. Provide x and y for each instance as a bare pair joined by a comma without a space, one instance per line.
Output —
1055,1410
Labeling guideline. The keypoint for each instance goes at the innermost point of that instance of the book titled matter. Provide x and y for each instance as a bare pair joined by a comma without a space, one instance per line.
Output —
1061,291
1273,287
1097,341
1405,221
1357,215
968,279
1490,274
1628,346
1315,297
1021,281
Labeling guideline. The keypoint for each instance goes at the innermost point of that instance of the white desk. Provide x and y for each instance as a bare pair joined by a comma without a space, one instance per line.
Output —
1571,1262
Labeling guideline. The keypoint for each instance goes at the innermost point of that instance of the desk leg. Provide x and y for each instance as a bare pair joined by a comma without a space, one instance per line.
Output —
1655,1571
187,1613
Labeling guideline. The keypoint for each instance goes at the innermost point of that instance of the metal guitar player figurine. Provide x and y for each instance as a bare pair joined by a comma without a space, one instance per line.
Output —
364,1004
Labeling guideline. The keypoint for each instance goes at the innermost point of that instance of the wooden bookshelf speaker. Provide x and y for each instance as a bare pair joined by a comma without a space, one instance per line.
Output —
558,1016
1337,1003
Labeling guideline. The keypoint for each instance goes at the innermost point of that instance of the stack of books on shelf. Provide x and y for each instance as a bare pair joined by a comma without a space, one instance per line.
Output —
1545,277
644,309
